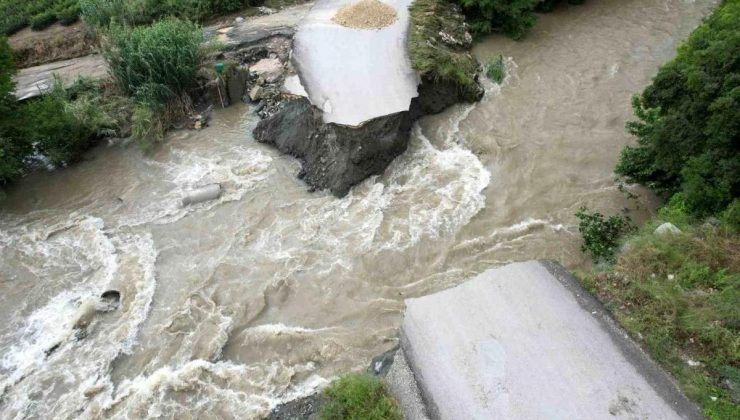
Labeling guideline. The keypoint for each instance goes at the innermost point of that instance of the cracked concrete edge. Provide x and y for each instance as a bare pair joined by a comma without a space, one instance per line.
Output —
432,410
665,386
403,386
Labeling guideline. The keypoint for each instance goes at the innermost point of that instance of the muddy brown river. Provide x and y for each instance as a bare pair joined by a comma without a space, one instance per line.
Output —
232,306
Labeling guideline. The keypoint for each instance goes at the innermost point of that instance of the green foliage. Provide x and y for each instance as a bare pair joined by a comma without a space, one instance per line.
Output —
601,235
69,15
66,122
155,63
100,13
43,20
512,17
688,125
15,15
495,69
14,146
437,59
359,397
678,294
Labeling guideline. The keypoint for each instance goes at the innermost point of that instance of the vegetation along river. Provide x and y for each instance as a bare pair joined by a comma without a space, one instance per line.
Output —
234,305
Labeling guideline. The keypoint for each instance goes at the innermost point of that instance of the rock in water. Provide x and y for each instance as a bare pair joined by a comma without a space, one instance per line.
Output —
270,69
335,157
667,228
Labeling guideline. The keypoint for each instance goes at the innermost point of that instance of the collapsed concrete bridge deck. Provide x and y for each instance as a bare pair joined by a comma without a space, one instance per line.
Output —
526,341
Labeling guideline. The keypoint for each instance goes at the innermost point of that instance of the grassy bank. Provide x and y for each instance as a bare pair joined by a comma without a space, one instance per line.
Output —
678,295
359,397
677,289
439,46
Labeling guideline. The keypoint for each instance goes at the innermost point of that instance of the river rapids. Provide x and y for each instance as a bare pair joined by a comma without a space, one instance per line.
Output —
232,306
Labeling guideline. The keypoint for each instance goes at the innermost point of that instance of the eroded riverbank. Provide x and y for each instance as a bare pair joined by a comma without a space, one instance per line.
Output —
234,305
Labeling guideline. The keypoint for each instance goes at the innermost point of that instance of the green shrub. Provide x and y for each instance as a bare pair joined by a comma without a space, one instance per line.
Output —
69,15
43,20
67,122
601,235
495,69
100,13
155,63
14,144
512,17
689,120
58,135
359,397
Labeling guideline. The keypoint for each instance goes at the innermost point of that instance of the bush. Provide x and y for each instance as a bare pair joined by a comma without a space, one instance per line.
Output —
495,69
100,13
359,397
155,63
14,145
43,20
512,17
601,235
69,15
689,120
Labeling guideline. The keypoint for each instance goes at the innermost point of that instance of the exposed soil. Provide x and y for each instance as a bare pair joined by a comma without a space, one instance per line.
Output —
55,43
366,14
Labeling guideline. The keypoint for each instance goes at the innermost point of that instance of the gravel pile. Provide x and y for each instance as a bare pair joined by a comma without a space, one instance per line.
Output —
366,14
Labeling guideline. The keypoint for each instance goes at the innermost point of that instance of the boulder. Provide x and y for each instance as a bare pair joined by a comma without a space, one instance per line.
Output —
255,93
667,228
269,69
335,157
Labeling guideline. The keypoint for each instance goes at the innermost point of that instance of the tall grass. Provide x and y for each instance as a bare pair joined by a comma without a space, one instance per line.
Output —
359,397
157,66
154,63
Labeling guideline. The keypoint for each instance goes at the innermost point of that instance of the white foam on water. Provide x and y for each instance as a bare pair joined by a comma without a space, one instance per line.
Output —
45,345
237,170
201,388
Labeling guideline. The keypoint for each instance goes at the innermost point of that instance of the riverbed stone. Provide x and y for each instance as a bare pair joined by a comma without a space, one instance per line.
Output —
667,229
269,69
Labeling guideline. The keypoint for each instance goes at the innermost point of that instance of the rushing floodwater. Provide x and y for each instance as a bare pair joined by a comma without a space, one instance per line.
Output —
232,306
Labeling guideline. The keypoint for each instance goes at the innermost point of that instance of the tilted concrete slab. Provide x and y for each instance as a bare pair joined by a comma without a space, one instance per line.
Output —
35,81
253,30
354,75
525,341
